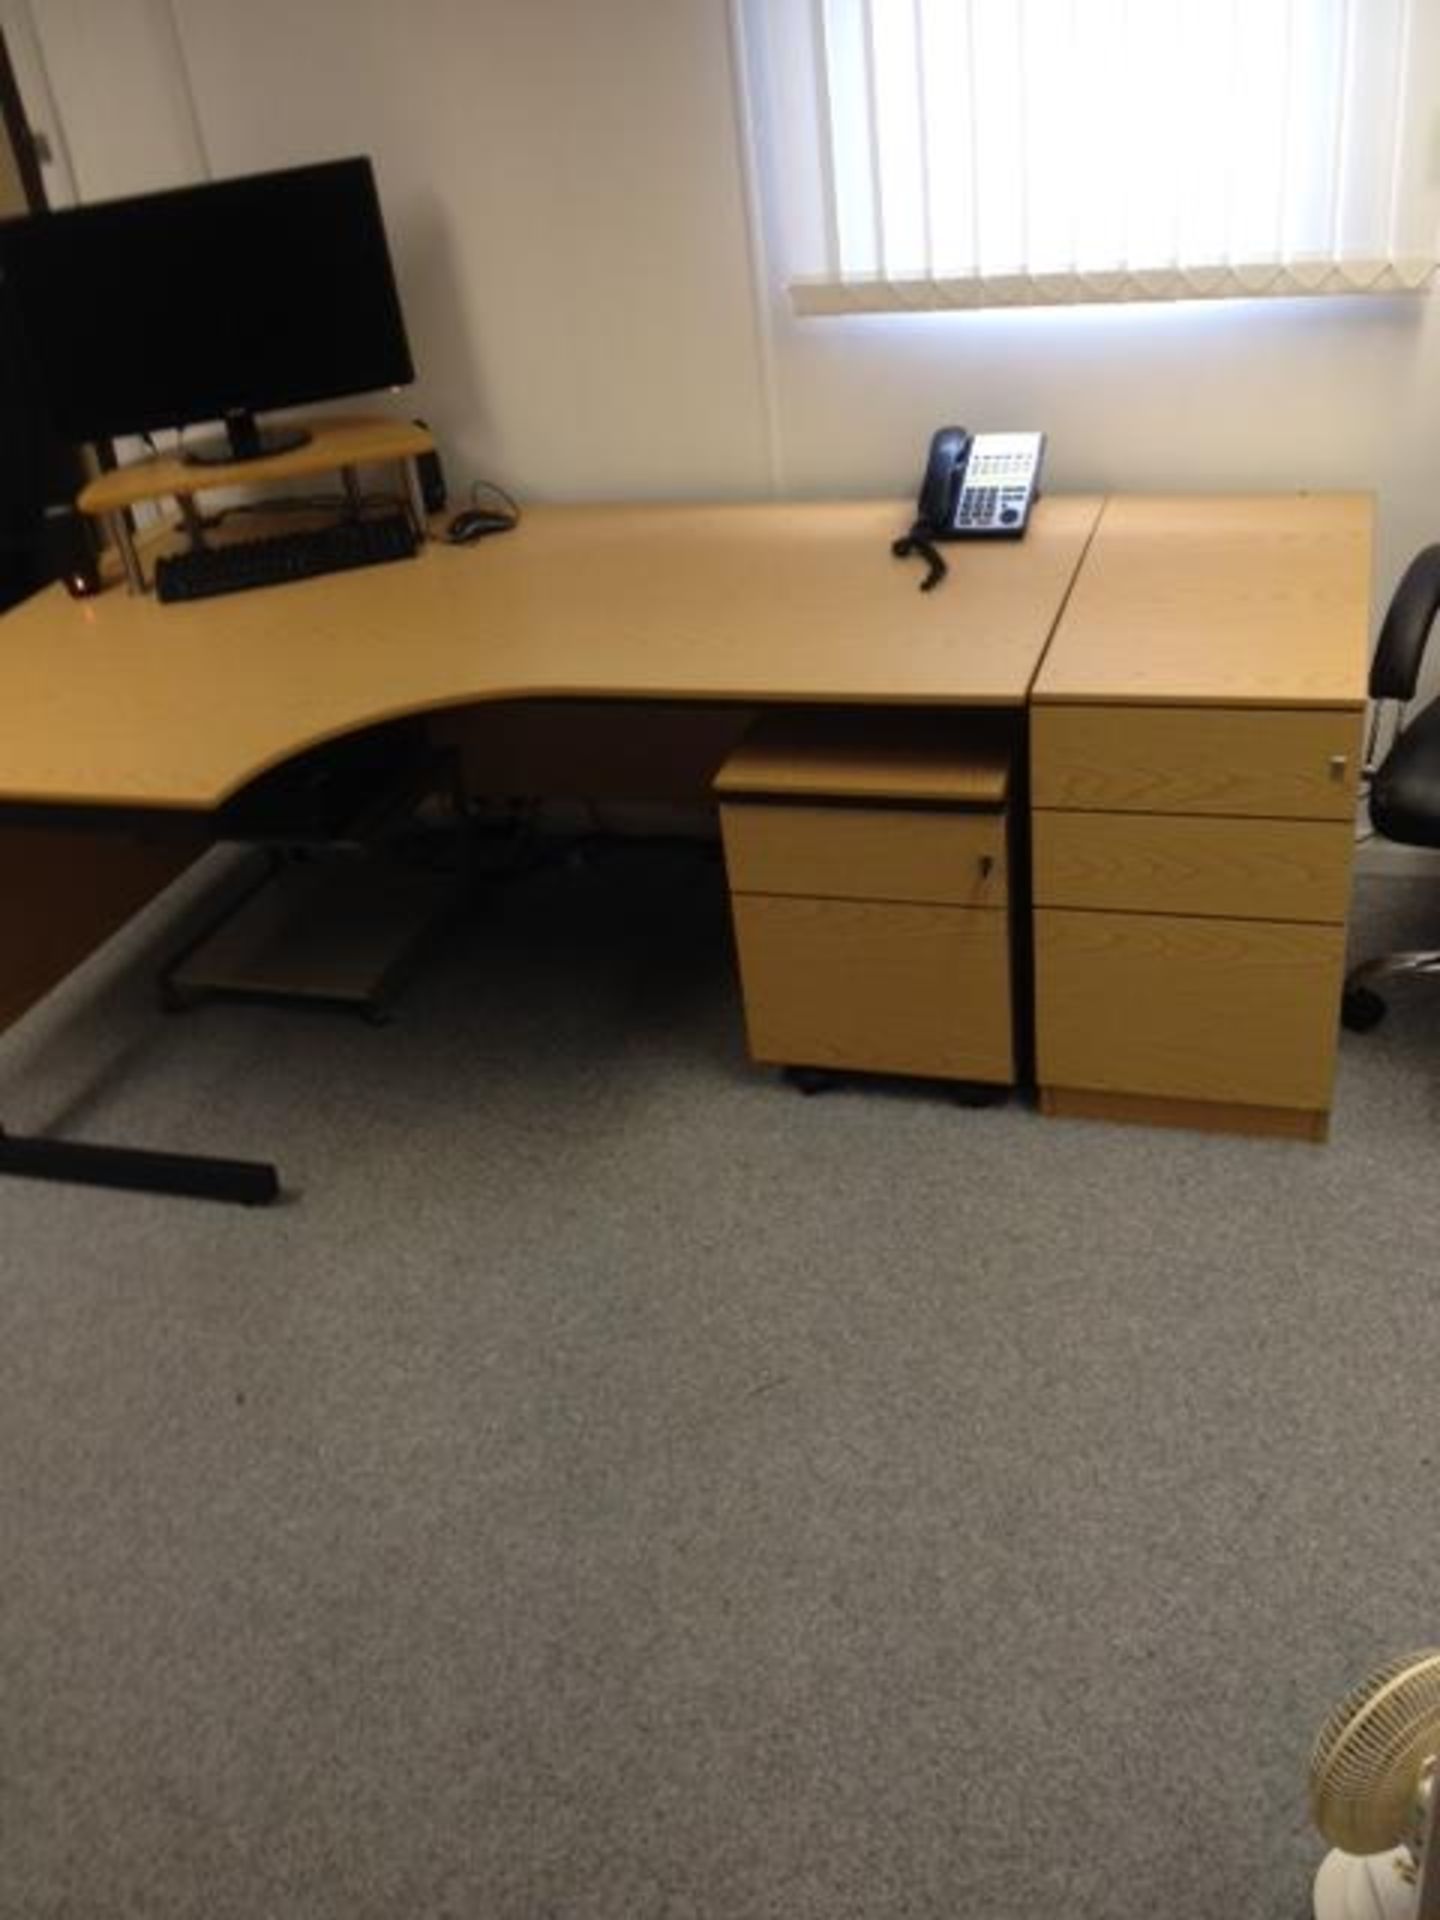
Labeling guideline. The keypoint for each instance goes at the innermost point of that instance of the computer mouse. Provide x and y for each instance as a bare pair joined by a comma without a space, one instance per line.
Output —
474,523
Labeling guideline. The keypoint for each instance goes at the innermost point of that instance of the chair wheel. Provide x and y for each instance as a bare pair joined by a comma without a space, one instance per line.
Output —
1360,1009
812,1080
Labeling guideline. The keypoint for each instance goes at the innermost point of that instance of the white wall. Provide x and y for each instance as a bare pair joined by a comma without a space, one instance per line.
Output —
565,186
562,188
99,80
561,184
1262,395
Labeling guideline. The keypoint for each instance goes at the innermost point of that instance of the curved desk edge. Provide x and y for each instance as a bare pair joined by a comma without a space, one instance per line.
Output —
122,702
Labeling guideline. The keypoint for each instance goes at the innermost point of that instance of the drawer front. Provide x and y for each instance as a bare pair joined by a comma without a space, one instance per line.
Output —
1295,766
1221,1010
866,853
887,989
1164,863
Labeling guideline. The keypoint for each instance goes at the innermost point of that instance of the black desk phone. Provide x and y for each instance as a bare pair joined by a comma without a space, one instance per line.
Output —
977,486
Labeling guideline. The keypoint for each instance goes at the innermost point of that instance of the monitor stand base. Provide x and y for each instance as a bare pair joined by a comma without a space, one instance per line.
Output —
245,439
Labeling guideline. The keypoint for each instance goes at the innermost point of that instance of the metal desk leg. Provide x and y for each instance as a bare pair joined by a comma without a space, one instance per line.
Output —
415,494
120,533
354,499
190,518
108,871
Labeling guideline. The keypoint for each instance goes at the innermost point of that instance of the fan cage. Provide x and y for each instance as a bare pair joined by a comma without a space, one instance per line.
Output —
1366,1761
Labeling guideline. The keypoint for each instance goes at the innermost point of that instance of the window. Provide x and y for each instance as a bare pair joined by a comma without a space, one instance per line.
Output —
963,153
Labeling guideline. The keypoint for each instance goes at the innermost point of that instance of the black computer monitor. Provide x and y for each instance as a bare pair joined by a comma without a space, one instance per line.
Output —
212,302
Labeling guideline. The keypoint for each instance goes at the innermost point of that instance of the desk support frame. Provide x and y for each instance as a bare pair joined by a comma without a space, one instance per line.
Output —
135,1169
194,1176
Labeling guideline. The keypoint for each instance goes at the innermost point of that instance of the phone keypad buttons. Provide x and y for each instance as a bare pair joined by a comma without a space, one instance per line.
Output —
998,483
979,505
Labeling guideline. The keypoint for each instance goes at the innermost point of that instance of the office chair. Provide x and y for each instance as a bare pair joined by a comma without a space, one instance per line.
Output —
1405,787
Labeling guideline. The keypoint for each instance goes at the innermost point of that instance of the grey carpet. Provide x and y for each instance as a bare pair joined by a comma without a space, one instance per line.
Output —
618,1486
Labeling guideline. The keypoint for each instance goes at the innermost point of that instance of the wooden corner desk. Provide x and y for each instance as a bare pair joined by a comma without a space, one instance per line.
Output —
1193,671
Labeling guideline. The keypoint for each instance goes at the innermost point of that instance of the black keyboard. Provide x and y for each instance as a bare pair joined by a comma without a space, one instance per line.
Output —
284,556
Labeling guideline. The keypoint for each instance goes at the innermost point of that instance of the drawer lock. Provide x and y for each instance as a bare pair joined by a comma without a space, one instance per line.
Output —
1339,765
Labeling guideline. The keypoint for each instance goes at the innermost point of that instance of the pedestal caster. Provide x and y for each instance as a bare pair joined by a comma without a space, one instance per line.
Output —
978,1093
812,1080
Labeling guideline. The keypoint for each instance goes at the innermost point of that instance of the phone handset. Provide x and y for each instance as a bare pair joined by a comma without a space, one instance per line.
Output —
944,476
934,510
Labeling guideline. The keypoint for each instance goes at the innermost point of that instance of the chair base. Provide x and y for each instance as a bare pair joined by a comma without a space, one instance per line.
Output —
1361,1008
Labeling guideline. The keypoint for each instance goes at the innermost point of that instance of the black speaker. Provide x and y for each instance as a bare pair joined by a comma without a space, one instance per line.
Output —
432,479
71,550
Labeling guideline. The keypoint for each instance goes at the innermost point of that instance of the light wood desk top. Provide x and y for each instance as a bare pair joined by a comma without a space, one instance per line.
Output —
1237,601
119,701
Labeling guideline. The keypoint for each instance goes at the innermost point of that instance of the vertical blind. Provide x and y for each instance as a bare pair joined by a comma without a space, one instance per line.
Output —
1029,152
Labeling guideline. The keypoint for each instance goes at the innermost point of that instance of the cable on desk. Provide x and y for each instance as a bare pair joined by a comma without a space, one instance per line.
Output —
477,487
480,520
918,541
306,503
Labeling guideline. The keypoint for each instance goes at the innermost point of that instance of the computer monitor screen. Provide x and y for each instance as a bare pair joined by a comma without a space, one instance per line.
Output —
209,302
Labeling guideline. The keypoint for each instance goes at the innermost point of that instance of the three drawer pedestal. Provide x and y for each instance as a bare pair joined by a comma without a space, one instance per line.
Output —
1191,875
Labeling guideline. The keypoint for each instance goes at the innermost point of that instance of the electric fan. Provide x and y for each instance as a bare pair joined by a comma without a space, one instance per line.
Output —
1371,1781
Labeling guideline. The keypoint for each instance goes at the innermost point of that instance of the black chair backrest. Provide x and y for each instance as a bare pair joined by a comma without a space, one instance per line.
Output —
1406,628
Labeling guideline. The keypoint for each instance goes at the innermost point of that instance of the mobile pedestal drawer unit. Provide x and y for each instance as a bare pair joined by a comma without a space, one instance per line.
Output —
1195,740
868,873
